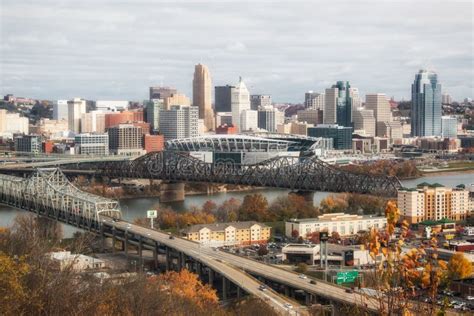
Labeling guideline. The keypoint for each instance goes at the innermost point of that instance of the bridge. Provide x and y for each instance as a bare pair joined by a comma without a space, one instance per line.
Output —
294,173
48,193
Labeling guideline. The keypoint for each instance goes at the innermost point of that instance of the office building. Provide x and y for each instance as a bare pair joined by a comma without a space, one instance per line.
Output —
330,105
161,92
223,118
378,103
76,108
364,120
426,105
226,129
248,120
28,143
91,144
65,260
269,117
60,110
234,233
260,100
154,143
50,128
179,122
449,126
126,139
240,101
294,127
343,224
433,202
115,118
446,99
341,136
93,122
392,130
355,98
3,120
153,108
176,99
343,104
223,98
310,115
113,106
13,123
314,100
202,95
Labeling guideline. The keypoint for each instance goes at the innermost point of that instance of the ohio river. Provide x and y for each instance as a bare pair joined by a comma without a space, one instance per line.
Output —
136,207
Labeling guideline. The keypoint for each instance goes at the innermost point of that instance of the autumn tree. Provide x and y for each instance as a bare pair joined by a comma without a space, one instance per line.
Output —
295,233
302,268
334,204
292,206
209,207
262,250
254,207
459,267
228,211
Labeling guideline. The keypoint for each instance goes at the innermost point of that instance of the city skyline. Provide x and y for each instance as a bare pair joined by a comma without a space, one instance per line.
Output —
375,46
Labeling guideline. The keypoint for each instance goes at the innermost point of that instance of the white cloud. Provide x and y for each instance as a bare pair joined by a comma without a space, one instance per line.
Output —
105,48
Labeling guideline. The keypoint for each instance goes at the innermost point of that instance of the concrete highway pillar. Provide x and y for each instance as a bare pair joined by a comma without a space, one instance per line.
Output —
211,277
239,292
287,290
171,192
181,261
308,299
168,259
225,287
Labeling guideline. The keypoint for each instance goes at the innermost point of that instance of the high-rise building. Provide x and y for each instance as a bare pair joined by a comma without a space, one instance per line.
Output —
179,122
153,108
446,99
314,100
449,126
240,101
176,99
378,103
364,120
344,104
16,124
310,115
392,130
269,118
93,122
76,108
426,105
248,120
92,144
223,98
126,140
28,143
341,135
260,100
115,118
106,105
60,110
3,120
161,92
202,95
433,202
224,118
50,128
330,106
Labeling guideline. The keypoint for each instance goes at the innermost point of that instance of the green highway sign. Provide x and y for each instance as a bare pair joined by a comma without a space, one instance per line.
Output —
346,277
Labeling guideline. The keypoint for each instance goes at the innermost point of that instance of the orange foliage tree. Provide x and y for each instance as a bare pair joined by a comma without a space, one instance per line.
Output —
459,267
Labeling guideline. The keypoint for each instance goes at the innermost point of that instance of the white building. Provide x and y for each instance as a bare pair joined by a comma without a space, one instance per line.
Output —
449,126
63,260
343,224
60,110
269,117
314,100
105,105
93,122
240,101
179,122
248,120
76,108
153,108
15,124
92,144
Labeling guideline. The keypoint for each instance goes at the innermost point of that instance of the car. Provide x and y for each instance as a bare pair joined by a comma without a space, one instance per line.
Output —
262,288
470,298
171,237
312,282
302,276
349,290
288,305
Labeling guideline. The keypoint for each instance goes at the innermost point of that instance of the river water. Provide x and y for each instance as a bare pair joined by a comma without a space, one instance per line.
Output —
136,207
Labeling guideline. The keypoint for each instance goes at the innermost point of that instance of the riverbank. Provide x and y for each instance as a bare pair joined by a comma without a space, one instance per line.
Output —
450,171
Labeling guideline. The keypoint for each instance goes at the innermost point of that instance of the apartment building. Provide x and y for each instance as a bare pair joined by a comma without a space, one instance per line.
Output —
433,202
126,139
343,224
92,144
235,233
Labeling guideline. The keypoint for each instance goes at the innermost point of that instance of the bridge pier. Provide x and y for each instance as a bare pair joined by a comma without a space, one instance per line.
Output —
211,277
171,192
225,287
140,252
239,292
168,259
307,195
308,299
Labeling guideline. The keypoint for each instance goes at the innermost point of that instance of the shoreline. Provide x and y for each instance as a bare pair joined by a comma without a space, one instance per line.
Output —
448,171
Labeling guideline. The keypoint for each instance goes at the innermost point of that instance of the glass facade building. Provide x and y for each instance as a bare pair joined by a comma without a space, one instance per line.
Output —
426,105
344,104
341,136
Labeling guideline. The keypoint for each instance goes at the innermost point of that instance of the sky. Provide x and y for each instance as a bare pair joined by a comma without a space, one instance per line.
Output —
115,49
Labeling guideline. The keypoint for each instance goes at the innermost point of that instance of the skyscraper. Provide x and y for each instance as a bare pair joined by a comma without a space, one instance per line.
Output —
314,100
76,108
223,98
60,110
179,122
330,102
161,92
364,120
202,95
378,103
343,104
426,104
153,108
240,101
269,118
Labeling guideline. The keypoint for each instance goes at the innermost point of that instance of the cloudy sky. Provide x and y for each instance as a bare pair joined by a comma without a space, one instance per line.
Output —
115,49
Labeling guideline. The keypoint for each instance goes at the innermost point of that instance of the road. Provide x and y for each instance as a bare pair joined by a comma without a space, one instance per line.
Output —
58,162
216,263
